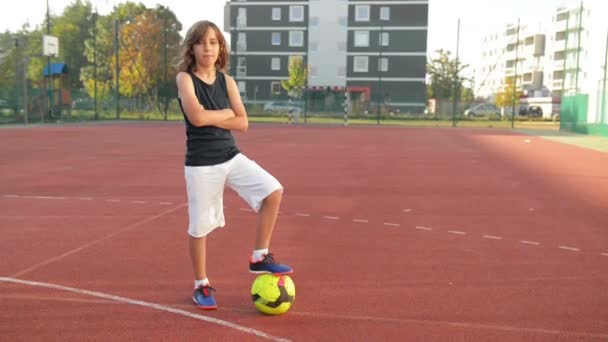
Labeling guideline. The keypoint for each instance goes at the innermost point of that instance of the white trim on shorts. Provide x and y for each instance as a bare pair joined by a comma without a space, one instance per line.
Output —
205,187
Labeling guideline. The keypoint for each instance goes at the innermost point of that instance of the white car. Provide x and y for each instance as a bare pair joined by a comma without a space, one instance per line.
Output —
482,109
282,107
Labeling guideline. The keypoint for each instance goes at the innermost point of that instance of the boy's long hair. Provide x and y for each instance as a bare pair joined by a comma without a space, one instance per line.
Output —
186,62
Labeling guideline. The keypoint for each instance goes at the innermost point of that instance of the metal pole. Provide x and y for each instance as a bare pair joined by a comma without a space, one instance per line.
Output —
17,76
48,31
117,47
345,106
25,112
95,64
578,49
96,116
565,55
604,93
165,100
379,75
455,95
515,77
305,99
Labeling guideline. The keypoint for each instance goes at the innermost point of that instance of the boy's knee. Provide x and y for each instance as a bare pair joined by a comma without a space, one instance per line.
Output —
275,196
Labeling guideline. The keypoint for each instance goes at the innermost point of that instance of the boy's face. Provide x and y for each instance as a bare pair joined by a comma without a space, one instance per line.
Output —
206,51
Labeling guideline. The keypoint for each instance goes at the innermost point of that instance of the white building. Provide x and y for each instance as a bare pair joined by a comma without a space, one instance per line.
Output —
540,59
517,53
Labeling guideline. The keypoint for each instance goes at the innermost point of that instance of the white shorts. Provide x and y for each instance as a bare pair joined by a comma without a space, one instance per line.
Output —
205,187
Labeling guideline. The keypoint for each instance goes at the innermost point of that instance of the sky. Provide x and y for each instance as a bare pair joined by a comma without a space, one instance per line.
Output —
477,17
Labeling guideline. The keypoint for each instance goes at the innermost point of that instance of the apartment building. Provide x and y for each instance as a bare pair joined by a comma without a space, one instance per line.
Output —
565,45
516,55
373,50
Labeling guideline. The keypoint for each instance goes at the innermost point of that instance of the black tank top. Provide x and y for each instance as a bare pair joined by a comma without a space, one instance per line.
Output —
209,145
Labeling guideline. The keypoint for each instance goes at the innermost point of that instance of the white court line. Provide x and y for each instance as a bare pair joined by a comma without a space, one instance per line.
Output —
492,237
407,210
86,245
392,224
530,242
45,197
147,305
457,232
11,196
302,214
574,249
360,220
331,217
451,324
246,209
604,254
166,203
424,228
112,200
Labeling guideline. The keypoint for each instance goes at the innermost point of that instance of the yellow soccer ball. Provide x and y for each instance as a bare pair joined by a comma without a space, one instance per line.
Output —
273,294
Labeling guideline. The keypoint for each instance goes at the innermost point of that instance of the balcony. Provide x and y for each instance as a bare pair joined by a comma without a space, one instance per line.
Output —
241,70
241,21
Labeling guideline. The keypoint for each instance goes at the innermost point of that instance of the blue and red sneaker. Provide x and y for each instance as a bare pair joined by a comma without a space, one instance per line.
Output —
203,297
269,265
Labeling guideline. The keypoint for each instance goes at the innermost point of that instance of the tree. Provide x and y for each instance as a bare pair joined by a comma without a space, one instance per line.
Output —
444,73
298,73
505,97
146,36
72,28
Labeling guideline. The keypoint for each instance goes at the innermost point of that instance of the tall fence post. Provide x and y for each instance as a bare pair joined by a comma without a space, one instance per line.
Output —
515,78
346,106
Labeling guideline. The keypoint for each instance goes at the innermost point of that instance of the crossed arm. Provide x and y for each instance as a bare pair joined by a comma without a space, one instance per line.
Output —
234,118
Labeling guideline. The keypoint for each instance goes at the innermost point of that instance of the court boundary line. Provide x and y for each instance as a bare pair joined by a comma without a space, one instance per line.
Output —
94,242
150,305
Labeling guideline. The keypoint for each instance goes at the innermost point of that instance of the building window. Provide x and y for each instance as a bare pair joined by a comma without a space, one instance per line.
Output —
241,19
276,38
562,16
296,38
558,75
385,13
384,39
296,13
361,38
242,88
275,63
275,88
276,13
241,42
362,13
241,66
383,64
360,64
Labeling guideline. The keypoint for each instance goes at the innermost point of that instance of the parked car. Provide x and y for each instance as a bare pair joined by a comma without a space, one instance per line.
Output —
531,111
482,109
282,107
83,103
